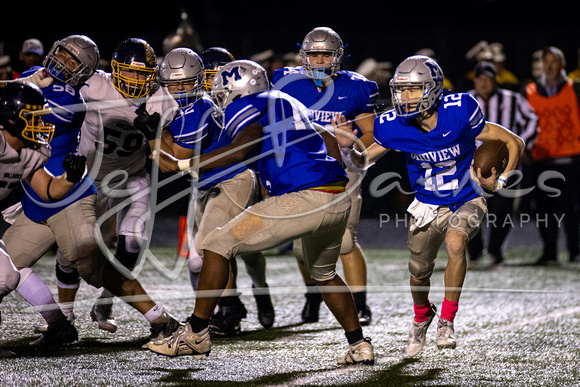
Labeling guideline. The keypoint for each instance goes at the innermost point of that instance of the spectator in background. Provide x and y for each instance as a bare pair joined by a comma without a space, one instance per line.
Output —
492,52
555,99
381,73
31,54
511,110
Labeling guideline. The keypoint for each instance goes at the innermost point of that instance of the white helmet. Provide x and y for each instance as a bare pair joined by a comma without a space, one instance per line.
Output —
323,40
417,71
238,79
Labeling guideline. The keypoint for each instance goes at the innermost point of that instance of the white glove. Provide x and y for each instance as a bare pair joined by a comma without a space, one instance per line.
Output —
40,78
423,214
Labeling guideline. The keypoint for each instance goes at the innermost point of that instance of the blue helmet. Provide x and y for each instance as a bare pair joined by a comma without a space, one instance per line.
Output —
134,55
21,104
214,58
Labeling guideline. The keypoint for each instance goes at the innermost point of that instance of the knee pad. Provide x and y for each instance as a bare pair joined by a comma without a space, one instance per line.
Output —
323,273
125,257
67,277
194,262
420,269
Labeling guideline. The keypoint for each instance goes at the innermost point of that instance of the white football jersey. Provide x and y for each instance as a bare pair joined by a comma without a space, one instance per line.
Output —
109,125
16,166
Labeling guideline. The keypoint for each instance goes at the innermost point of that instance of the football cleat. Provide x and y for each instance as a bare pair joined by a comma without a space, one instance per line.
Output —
445,334
359,353
102,314
163,326
266,312
183,342
311,310
417,334
226,321
365,316
58,333
44,327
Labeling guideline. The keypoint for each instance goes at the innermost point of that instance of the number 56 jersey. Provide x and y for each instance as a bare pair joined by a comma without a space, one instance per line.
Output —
438,161
109,126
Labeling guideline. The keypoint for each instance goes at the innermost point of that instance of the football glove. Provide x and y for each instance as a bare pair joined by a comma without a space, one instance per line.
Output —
146,123
75,167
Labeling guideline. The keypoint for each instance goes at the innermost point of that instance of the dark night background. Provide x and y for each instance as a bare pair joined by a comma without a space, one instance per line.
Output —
387,31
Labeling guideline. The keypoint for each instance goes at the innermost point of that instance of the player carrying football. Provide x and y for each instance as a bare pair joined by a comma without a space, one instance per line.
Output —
437,134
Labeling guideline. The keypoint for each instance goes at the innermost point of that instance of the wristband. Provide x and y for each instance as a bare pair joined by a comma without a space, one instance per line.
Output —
50,198
183,164
501,182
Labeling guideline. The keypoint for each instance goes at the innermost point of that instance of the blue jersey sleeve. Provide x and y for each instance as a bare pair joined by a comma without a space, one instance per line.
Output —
368,92
476,117
193,124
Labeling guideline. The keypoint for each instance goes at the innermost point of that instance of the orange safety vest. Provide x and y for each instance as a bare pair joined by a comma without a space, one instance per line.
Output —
559,122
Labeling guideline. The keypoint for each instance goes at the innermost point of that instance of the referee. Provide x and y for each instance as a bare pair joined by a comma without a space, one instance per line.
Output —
511,110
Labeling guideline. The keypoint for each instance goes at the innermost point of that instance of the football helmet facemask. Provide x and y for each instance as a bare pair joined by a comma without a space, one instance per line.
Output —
72,60
21,106
214,58
419,73
238,79
321,40
134,68
182,73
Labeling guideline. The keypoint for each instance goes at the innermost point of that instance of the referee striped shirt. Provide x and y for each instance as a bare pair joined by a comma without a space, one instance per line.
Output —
511,110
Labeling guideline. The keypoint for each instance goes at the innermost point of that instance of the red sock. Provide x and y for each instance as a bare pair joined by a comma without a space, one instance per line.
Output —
422,312
449,309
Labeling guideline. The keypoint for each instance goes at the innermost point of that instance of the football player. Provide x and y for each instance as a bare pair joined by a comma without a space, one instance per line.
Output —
271,130
230,309
69,222
69,63
330,92
437,134
214,58
224,192
24,139
117,162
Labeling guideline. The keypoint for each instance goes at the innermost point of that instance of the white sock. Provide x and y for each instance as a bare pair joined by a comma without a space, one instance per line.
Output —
38,295
154,313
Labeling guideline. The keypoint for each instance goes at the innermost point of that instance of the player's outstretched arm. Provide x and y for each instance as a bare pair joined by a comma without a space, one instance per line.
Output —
346,137
51,188
245,141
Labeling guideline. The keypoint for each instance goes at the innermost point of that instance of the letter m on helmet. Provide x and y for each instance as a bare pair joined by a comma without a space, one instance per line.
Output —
232,75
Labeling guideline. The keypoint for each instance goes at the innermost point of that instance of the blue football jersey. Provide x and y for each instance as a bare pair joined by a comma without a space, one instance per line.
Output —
194,128
438,161
293,156
68,112
350,94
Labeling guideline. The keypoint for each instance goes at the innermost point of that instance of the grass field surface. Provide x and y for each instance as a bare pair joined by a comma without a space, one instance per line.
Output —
518,325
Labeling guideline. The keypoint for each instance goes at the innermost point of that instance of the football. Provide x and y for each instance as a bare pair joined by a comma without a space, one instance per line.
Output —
491,154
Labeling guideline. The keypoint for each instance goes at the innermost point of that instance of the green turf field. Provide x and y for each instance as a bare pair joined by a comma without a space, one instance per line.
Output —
517,326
